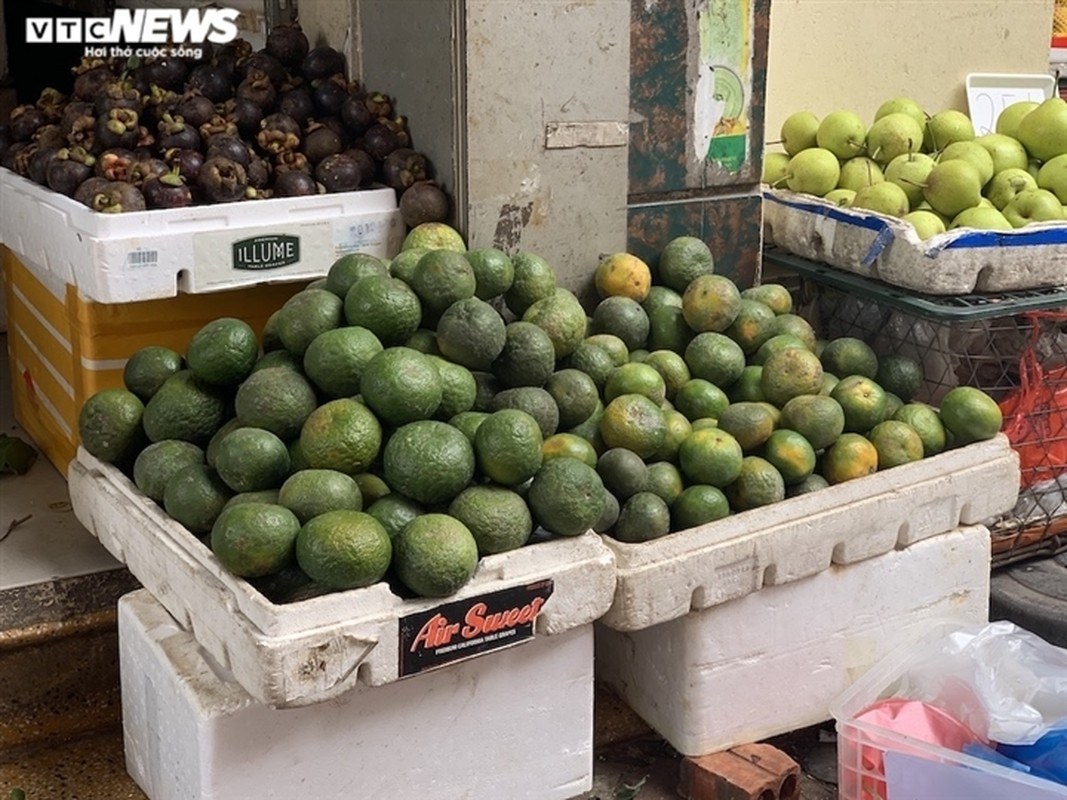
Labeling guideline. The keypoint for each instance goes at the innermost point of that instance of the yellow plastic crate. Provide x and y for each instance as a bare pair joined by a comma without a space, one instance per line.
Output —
63,348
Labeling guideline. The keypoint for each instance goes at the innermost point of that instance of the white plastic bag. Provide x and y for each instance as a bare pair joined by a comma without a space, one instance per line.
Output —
1005,683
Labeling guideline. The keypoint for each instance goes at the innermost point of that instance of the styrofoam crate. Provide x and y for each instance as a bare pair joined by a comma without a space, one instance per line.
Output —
517,724
773,661
146,255
960,261
865,751
316,649
701,567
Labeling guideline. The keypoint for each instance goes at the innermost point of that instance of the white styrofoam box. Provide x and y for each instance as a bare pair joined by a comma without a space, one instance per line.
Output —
145,255
959,261
516,724
695,569
308,651
773,661
865,751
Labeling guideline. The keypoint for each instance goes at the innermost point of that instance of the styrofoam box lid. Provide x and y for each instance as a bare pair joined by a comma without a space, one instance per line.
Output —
877,246
269,647
143,255
701,567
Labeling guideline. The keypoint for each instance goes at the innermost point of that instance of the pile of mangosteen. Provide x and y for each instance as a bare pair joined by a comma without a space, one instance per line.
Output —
233,125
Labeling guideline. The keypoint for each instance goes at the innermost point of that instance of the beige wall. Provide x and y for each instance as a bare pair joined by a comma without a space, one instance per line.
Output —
853,54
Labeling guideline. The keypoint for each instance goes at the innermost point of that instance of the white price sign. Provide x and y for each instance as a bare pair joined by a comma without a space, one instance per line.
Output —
990,93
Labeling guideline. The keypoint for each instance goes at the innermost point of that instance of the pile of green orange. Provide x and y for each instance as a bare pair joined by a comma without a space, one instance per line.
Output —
396,421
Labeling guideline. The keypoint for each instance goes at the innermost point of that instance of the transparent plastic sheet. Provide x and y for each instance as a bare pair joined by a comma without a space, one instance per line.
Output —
1006,684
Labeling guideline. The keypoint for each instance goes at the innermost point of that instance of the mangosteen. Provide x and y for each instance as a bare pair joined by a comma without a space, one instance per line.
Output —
261,61
23,157
11,155
288,43
278,132
294,183
174,132
37,168
68,170
329,94
403,167
117,94
355,115
50,136
87,188
146,140
167,72
320,141
195,109
212,81
144,168
51,103
259,173
380,141
114,164
90,81
228,146
157,102
117,197
297,103
186,161
338,173
291,160
399,126
379,104
423,201
368,167
118,128
217,124
246,115
222,180
321,62
24,122
228,55
71,112
167,190
255,193
258,88
83,134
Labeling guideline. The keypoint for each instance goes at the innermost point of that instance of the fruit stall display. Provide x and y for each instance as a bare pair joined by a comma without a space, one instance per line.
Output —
234,124
923,202
398,421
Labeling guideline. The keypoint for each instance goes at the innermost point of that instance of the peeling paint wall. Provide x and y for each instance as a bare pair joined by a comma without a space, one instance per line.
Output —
853,54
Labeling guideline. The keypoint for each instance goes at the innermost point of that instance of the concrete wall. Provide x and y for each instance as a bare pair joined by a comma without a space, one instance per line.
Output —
853,54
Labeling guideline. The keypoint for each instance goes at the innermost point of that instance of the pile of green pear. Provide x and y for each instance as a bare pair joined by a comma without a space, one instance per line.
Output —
932,171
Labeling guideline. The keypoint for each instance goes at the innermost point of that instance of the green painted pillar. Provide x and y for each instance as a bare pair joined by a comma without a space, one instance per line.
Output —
698,72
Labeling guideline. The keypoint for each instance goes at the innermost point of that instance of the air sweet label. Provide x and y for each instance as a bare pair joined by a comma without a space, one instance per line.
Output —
465,628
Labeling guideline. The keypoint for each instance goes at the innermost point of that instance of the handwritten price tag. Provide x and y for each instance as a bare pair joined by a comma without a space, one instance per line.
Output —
990,93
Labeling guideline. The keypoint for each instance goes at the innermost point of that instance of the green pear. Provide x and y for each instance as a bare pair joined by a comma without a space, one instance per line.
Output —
1043,132
841,197
893,135
902,105
798,132
1053,176
946,127
1007,151
982,218
909,172
842,133
859,171
1008,119
953,186
1006,184
813,171
926,223
977,155
1033,205
774,167
883,198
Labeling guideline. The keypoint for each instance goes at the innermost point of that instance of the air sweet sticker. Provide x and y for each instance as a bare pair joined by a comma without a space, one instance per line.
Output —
466,628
